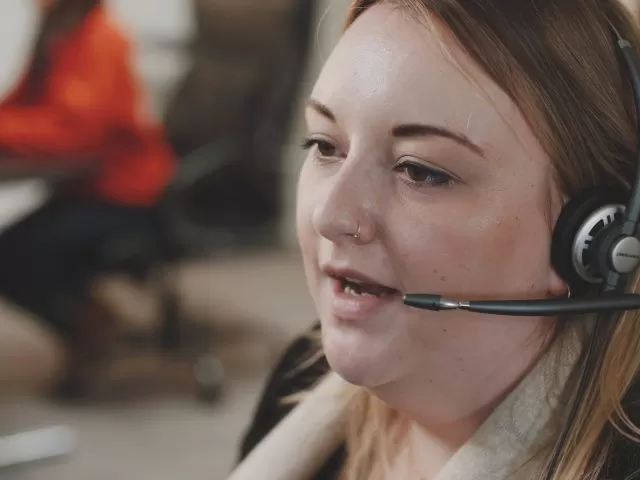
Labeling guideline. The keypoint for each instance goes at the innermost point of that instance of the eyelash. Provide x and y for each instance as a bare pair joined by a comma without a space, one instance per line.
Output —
433,177
309,143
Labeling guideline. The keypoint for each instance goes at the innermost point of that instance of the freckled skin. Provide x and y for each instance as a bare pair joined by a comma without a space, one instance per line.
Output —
466,240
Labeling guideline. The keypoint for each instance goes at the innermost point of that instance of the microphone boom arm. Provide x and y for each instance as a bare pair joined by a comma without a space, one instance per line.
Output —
545,307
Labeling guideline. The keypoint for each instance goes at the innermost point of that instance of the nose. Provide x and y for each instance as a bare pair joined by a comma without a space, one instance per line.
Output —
346,212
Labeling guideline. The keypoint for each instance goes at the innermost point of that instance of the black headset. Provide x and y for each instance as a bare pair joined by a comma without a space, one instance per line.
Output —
595,239
595,243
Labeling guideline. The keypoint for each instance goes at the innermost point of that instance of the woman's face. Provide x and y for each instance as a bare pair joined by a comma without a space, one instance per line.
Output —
449,192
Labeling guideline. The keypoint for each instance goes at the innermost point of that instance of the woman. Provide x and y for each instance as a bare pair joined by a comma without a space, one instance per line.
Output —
79,99
445,137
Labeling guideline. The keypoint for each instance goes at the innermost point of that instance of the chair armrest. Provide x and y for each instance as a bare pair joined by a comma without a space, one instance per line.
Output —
203,162
182,230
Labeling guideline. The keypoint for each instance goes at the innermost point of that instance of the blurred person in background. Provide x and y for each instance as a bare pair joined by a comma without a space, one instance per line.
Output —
78,99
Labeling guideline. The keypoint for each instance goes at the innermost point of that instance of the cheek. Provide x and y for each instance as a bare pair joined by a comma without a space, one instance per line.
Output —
306,200
495,255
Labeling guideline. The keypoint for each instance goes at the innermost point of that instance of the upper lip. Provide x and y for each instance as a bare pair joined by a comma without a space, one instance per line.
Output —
352,275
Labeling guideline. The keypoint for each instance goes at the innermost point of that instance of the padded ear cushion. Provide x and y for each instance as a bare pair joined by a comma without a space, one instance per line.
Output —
571,219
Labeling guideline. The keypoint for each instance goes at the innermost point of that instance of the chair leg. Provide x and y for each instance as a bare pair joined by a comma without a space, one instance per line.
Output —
89,348
170,329
170,334
209,374
208,370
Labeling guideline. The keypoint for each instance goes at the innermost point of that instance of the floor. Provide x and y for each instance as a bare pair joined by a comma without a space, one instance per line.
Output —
258,303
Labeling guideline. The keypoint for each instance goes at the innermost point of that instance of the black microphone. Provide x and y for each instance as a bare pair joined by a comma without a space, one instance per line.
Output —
528,308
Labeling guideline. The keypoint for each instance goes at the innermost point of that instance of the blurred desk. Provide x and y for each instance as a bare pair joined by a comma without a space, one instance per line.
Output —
27,183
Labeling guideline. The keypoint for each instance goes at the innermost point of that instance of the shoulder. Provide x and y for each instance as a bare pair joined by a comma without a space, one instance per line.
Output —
298,369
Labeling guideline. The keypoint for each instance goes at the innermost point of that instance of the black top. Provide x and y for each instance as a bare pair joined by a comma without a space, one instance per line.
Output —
285,380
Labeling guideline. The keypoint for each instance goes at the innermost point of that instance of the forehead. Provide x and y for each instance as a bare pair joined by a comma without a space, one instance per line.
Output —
394,69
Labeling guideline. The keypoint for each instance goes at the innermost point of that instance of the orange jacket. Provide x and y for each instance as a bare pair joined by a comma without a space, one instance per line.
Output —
91,105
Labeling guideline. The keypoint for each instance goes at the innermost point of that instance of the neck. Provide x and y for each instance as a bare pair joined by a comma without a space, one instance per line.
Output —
441,441
453,410
444,419
499,440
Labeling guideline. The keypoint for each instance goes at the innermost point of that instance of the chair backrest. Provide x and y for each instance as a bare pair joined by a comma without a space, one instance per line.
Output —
249,60
206,208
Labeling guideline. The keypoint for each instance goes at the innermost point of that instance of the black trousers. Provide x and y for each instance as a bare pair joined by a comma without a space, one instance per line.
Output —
48,260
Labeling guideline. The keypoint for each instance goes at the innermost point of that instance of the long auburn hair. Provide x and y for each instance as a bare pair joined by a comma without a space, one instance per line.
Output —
61,19
558,62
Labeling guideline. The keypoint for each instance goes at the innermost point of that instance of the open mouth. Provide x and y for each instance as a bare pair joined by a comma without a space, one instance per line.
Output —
358,288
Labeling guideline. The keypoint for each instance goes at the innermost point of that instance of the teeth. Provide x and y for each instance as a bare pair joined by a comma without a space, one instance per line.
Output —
349,290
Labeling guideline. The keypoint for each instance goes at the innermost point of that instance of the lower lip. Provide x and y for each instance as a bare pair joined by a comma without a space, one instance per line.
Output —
345,306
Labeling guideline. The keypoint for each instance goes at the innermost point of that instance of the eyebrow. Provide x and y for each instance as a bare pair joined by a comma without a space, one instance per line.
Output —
321,109
419,130
409,130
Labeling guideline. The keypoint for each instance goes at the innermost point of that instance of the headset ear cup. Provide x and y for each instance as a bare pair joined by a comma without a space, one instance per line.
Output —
571,219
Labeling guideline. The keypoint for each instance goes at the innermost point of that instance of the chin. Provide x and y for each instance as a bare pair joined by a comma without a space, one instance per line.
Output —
357,357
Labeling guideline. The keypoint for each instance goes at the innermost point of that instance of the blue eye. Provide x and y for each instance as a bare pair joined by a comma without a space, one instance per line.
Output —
422,175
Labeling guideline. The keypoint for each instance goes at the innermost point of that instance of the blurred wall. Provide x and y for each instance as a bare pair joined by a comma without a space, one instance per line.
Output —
17,22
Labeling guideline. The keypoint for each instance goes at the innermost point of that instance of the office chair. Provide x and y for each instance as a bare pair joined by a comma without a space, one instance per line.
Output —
182,229
228,123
